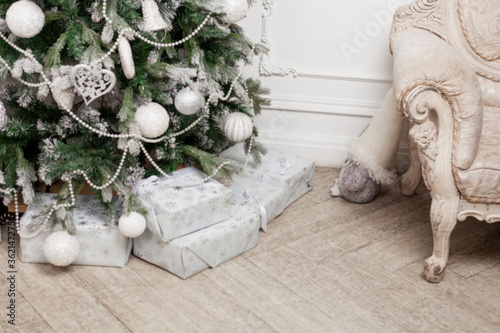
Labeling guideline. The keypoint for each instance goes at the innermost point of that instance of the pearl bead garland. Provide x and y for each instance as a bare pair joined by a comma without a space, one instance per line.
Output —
156,44
46,81
250,146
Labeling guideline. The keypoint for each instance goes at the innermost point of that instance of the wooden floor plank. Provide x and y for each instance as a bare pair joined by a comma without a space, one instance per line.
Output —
473,248
52,291
132,299
284,310
361,232
209,306
413,309
325,265
477,253
27,320
314,284
471,296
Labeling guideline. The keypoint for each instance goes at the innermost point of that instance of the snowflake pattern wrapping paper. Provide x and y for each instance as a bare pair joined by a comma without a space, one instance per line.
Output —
290,175
267,198
188,255
176,207
101,244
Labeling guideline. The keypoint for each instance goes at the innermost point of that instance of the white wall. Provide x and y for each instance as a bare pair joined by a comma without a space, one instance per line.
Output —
328,69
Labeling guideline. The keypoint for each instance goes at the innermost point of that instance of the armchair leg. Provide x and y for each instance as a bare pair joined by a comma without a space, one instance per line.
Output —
412,178
443,220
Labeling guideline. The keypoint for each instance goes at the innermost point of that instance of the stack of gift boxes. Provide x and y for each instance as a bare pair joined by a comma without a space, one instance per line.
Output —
192,224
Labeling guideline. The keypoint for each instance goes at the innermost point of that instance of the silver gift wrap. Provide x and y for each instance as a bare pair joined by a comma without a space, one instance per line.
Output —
188,255
290,175
183,203
269,199
101,244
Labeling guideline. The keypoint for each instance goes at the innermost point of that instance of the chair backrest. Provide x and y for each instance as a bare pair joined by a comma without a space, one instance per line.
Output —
471,26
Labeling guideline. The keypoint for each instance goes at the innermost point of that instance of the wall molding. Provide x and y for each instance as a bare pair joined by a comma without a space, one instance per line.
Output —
332,106
269,66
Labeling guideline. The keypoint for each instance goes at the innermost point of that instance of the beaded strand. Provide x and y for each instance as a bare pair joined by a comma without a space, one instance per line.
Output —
68,177
144,39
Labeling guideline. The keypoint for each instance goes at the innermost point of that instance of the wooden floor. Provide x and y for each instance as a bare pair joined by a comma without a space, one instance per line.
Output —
325,265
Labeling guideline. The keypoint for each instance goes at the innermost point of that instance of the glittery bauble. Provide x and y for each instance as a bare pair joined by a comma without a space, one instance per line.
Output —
126,59
132,225
63,97
235,10
189,101
238,127
3,116
153,21
25,19
153,120
61,249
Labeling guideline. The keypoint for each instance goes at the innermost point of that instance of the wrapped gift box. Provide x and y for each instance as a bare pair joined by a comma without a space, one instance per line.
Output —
290,175
269,199
101,244
183,203
188,255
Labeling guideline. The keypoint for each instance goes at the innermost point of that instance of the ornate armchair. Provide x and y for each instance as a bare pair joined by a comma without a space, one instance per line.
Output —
447,82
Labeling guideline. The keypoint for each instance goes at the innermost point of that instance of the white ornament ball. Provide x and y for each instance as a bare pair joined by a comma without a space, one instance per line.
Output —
25,19
152,119
238,127
63,97
189,101
126,58
132,225
61,249
3,115
235,10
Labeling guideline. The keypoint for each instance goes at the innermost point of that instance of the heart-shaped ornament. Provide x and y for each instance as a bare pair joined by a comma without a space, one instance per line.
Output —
92,82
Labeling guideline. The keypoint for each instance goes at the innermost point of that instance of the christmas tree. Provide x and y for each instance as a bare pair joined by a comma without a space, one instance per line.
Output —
109,92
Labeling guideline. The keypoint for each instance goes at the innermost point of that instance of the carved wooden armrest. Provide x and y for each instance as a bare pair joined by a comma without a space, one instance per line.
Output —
424,63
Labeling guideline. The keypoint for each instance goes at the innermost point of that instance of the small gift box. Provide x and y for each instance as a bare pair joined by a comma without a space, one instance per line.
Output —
101,243
183,203
188,255
290,175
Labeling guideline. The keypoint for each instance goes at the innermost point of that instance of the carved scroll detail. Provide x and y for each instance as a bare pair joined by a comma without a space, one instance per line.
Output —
422,14
424,135
268,65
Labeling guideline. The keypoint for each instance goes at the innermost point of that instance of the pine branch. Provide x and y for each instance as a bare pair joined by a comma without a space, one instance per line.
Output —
210,163
177,73
126,113
257,150
255,93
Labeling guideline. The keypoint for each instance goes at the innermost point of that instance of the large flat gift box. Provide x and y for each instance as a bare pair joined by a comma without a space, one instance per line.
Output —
209,247
101,244
289,175
270,199
183,203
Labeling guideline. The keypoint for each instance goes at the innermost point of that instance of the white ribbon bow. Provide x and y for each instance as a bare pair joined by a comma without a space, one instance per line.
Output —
144,183
263,213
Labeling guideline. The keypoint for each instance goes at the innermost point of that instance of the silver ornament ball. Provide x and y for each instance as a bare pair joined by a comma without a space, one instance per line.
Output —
188,101
152,119
61,249
235,10
238,127
25,19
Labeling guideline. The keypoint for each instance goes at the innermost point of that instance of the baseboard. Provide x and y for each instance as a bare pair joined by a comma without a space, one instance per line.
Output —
329,151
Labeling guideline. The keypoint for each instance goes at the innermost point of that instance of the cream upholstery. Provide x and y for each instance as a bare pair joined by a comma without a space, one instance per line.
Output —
447,82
